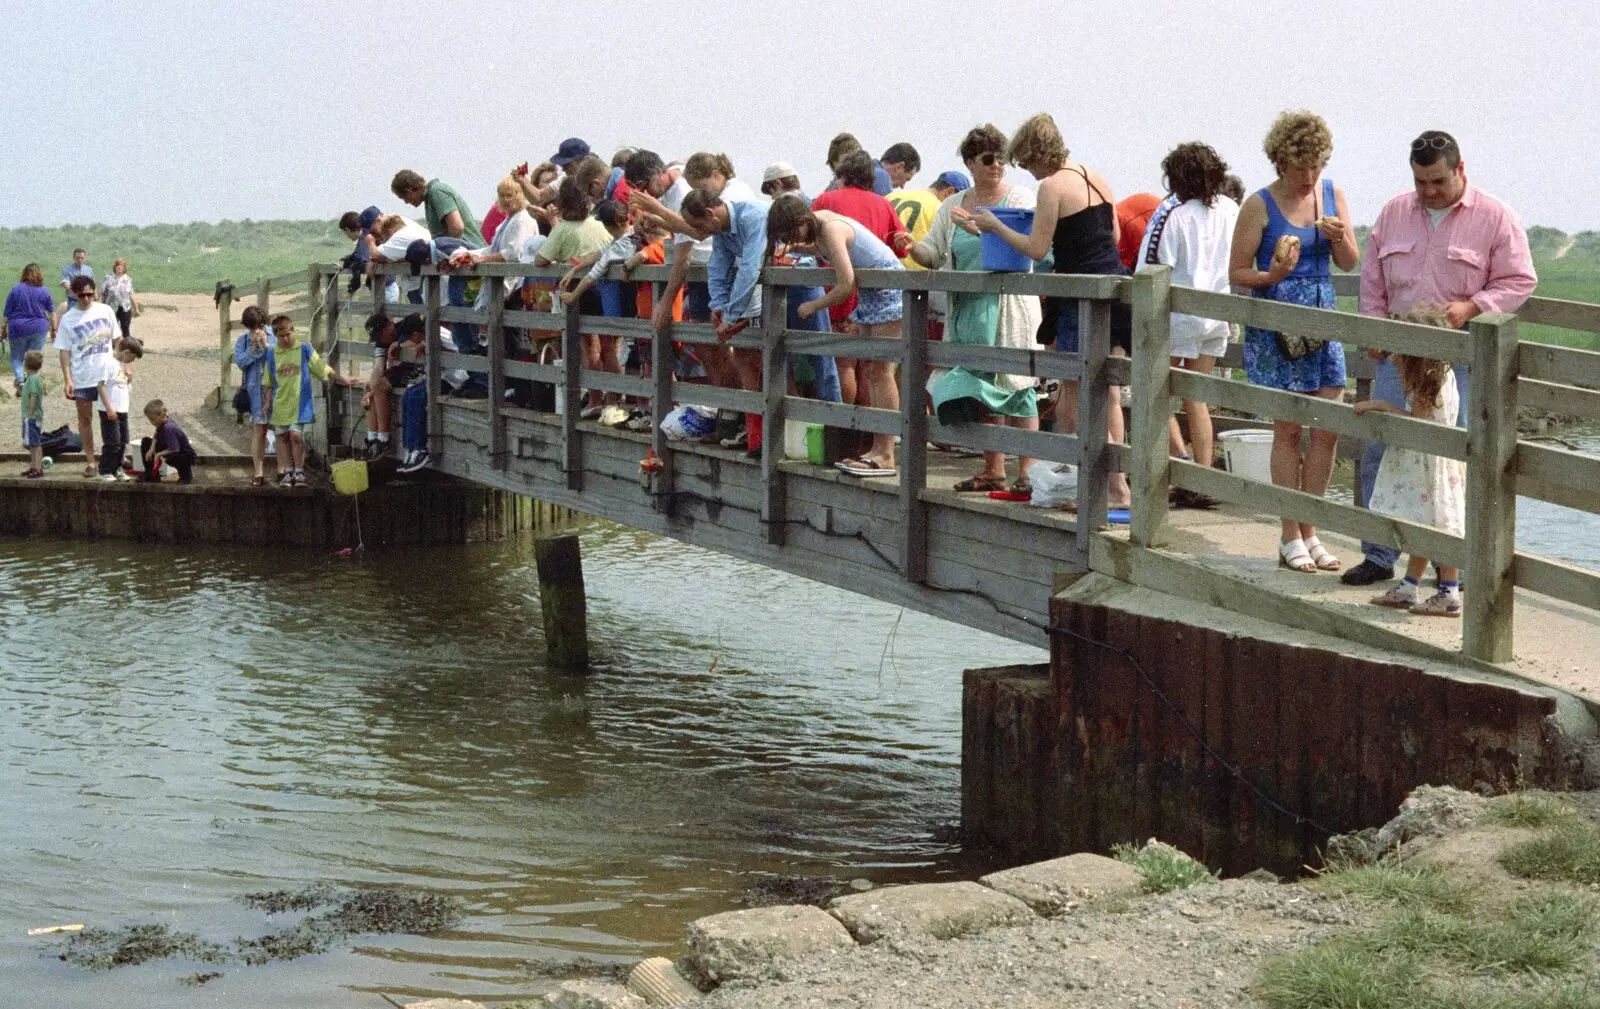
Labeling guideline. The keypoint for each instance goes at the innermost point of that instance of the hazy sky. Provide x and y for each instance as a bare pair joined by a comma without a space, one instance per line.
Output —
164,110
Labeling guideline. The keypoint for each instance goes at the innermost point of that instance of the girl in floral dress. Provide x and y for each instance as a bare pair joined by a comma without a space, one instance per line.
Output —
1418,487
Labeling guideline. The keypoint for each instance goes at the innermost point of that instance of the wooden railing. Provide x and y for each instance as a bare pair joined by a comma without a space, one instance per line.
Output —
1504,373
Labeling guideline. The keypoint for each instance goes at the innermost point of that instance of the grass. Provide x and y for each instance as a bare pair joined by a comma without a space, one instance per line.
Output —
1344,974
1524,809
1543,934
1398,884
1162,868
1569,853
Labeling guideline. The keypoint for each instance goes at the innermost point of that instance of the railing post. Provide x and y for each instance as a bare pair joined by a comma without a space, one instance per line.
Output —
334,414
662,363
914,436
225,325
431,299
1148,463
572,364
1491,523
774,385
494,332
264,296
1094,410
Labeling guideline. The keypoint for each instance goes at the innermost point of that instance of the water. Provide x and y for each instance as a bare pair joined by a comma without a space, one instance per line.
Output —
180,728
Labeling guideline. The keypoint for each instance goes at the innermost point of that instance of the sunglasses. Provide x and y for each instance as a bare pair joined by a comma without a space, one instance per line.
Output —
1436,143
988,159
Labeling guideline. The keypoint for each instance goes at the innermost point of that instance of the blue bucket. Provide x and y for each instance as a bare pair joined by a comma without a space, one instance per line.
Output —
997,252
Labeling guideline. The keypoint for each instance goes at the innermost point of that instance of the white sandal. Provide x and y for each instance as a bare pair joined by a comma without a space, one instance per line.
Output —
1320,556
1293,555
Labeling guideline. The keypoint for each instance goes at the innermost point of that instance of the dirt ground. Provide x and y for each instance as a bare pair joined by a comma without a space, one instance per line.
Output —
181,365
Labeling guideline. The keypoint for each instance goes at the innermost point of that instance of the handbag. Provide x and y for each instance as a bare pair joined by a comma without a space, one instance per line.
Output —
241,400
1292,347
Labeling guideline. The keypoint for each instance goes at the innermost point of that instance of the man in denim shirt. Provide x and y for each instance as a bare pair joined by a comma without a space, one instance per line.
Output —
738,231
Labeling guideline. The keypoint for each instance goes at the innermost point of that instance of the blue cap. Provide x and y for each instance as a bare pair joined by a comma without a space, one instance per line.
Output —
953,180
369,217
571,150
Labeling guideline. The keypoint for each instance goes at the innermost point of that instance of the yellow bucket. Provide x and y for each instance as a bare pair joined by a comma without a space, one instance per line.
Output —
350,476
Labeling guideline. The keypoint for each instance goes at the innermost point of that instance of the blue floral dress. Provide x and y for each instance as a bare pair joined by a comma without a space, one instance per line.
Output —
1310,284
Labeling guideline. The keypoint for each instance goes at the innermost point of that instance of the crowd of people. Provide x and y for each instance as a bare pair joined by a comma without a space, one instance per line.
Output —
32,317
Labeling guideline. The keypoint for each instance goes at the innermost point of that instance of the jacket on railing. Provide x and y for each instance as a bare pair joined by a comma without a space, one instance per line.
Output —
734,273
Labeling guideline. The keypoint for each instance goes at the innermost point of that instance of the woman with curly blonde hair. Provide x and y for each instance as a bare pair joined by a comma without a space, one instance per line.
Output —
1075,218
1289,237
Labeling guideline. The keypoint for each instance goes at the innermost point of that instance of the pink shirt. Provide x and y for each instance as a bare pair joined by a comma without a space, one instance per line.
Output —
1479,252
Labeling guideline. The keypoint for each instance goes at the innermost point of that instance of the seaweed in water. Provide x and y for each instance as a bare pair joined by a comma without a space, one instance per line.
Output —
580,967
105,948
391,911
196,980
767,890
279,901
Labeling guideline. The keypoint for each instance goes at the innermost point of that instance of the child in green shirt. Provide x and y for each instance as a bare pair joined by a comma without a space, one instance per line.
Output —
33,413
294,364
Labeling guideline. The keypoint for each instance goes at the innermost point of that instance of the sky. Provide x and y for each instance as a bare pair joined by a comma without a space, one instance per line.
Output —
173,111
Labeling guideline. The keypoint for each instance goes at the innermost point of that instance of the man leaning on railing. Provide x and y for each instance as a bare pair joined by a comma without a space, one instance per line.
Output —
1447,244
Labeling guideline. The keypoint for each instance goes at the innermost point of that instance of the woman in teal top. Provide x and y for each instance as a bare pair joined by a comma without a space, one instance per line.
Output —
1302,206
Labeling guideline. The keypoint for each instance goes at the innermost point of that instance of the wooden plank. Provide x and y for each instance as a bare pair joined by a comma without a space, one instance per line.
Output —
852,418
1094,470
865,348
914,437
1559,364
1408,537
1576,315
1041,363
434,364
1152,405
775,387
1015,441
453,360
1555,466
1393,429
1557,579
716,397
1556,398
463,313
536,372
572,390
600,325
625,385
1384,334
495,334
1491,524
1582,498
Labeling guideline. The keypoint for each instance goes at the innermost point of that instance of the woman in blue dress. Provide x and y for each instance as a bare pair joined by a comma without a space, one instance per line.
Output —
1289,237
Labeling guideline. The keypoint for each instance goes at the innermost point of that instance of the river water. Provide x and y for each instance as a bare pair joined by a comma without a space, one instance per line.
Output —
180,728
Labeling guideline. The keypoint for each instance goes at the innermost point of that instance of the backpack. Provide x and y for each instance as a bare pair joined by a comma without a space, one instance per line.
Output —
61,441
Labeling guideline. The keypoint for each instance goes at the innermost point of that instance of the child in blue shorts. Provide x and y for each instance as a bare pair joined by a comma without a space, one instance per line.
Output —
33,413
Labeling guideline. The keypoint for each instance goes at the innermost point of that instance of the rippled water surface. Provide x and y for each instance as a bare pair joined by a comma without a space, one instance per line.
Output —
180,728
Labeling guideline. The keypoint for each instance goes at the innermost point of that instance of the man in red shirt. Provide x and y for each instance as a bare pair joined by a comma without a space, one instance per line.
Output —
855,199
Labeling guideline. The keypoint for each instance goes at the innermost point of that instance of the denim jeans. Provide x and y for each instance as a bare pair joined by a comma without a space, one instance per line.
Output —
825,368
466,334
20,345
113,442
1386,386
414,417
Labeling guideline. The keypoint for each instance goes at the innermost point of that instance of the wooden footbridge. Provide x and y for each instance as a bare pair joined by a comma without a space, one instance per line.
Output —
1531,623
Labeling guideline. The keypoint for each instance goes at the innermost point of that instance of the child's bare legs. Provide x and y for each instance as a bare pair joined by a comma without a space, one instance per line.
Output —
1416,566
610,354
86,423
297,450
35,457
1199,415
847,379
591,361
884,391
285,453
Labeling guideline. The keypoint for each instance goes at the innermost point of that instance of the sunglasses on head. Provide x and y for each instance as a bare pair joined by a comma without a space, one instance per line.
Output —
1436,143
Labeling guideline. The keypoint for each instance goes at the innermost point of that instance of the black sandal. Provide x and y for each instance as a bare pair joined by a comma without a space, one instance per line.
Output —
983,483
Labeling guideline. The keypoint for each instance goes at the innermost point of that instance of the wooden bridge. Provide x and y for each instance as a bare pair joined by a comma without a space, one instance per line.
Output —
1517,667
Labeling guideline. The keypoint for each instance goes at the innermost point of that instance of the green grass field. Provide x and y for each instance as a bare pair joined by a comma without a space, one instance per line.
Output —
191,258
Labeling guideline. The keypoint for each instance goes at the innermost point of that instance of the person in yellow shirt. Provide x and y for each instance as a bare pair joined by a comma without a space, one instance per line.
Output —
916,209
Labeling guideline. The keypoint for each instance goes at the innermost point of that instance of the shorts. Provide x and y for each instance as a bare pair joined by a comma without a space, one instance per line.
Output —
877,307
1189,348
1067,327
90,395
31,435
696,303
299,429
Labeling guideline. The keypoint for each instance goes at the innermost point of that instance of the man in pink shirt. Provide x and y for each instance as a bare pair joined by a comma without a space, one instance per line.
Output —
1448,244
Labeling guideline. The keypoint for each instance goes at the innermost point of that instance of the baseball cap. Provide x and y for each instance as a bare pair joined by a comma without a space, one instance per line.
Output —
610,213
778,170
954,180
369,217
571,150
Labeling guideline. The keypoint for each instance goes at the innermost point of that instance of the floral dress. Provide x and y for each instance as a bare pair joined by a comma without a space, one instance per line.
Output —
1425,488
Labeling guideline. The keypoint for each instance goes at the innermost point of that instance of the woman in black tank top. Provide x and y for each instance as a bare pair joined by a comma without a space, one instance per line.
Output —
1076,221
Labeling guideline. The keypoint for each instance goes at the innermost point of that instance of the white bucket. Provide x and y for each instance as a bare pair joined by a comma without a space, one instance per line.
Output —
1248,454
794,440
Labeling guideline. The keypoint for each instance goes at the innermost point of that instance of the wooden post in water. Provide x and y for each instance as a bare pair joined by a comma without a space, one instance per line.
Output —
914,437
566,620
775,378
225,324
1147,436
1491,526
435,369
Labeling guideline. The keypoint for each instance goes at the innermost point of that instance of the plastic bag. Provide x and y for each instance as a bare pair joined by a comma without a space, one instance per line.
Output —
1051,488
688,422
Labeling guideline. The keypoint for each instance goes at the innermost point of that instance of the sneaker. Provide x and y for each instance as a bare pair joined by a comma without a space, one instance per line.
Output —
639,422
297,479
418,460
287,480
33,474
590,412
1367,573
121,475
1441,604
411,454
737,441
1397,598
106,478
612,416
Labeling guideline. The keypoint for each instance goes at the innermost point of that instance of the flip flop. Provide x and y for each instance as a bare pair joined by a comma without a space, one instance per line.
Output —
864,467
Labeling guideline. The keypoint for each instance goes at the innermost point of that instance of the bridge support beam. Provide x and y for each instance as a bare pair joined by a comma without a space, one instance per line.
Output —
561,597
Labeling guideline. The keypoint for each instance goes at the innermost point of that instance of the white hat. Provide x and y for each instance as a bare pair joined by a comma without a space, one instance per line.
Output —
778,170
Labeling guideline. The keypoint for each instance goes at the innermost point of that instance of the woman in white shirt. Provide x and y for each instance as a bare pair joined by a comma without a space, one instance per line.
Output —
116,293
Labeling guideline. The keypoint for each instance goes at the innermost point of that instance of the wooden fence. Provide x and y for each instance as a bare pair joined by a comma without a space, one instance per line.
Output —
1505,372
